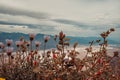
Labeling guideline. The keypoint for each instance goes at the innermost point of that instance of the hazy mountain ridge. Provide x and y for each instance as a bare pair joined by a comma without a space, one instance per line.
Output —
51,43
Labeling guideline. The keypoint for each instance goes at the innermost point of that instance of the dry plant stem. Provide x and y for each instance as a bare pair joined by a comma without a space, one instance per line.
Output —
20,56
3,58
23,55
31,45
100,48
26,54
62,54
63,48
44,50
9,57
104,39
28,49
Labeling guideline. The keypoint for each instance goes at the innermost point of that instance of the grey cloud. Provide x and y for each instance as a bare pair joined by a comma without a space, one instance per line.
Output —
42,27
85,26
30,26
20,12
71,22
12,23
11,26
91,1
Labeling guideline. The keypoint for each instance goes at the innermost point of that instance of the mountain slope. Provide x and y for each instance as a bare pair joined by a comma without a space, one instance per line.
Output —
51,43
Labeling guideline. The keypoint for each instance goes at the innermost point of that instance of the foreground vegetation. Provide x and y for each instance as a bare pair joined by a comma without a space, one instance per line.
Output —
29,64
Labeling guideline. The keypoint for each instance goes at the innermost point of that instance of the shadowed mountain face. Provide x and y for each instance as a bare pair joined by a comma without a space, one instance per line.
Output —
51,43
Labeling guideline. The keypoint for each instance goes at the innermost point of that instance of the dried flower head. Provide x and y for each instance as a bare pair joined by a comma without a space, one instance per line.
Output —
112,29
89,49
108,32
104,35
31,36
54,56
46,38
9,42
59,47
37,43
34,62
21,38
75,45
55,37
61,35
66,43
98,73
28,43
116,53
98,40
28,58
2,45
9,50
18,43
61,42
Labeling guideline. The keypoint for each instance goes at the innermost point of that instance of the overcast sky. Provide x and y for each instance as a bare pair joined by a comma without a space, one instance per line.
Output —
74,17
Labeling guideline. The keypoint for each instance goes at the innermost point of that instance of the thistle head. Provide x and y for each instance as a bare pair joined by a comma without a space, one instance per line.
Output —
9,42
31,36
2,45
46,38
112,29
37,43
9,50
61,35
18,43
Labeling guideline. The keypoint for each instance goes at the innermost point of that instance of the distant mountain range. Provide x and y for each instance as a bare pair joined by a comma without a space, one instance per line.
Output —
51,43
